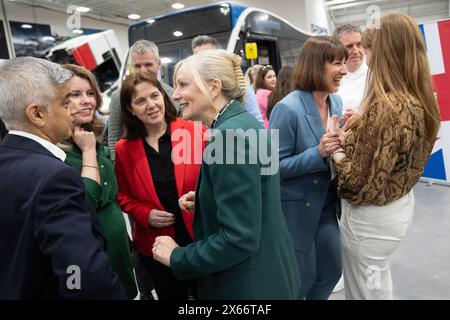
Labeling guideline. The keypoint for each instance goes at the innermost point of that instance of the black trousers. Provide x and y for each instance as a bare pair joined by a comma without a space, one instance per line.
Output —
166,285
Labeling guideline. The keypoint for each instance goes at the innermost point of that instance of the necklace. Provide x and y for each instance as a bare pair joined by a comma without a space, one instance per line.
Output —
213,123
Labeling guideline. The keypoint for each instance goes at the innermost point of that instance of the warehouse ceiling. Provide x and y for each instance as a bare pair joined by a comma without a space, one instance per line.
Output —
345,11
340,11
113,10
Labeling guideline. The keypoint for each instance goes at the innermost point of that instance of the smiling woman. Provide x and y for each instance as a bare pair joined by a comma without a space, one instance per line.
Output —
86,154
305,146
242,249
150,183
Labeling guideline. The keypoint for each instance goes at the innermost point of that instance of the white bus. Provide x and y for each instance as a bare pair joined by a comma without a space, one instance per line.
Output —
278,41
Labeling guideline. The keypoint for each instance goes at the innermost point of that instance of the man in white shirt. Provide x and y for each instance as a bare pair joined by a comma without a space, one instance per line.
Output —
51,242
354,83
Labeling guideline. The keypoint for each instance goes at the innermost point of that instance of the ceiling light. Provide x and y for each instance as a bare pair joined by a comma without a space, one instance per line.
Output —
27,26
83,9
166,60
151,21
178,5
335,2
134,16
178,33
339,4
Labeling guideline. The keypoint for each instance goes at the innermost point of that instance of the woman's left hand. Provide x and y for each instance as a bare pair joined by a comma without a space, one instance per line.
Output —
334,127
163,248
84,140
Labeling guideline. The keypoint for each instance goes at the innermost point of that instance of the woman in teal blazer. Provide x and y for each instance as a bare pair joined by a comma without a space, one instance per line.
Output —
308,194
87,155
242,247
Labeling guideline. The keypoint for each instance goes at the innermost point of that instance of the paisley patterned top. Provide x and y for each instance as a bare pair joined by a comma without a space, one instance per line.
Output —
385,154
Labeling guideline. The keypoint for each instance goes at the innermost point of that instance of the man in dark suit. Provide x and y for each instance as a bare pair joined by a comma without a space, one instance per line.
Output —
51,245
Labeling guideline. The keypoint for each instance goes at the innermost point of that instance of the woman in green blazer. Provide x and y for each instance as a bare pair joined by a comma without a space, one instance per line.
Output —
242,247
86,154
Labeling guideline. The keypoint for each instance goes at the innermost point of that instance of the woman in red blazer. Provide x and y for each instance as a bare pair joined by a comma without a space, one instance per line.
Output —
156,163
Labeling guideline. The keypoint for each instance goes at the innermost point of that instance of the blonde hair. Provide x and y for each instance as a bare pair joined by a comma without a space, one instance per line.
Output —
215,64
255,71
250,74
399,67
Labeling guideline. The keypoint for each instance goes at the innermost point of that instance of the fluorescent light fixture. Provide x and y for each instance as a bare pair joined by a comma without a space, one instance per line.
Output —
335,2
178,5
177,33
349,4
77,31
134,16
83,9
166,60
27,26
151,21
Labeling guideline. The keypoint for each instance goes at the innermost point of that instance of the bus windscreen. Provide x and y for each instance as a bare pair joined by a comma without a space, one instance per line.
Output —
180,26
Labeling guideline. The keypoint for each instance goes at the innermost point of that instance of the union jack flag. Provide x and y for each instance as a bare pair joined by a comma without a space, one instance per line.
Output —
437,40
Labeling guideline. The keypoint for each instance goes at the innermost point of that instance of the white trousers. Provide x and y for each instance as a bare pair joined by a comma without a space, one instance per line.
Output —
369,236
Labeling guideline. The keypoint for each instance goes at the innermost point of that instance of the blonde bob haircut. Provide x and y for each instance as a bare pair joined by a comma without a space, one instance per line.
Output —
215,64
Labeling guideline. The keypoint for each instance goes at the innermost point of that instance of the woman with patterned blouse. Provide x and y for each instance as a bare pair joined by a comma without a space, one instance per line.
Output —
384,156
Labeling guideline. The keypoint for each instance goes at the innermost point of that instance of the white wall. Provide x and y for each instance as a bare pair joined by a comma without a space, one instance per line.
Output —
291,10
300,13
316,14
58,21
421,11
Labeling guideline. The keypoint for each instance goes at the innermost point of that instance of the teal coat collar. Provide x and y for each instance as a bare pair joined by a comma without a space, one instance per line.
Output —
233,109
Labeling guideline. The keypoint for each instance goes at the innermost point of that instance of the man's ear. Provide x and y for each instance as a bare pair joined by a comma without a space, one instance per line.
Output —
215,88
35,115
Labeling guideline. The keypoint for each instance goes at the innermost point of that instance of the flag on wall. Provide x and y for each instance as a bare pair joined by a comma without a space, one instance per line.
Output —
437,41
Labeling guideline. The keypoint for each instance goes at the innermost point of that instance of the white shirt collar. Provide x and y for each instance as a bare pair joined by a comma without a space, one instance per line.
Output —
57,152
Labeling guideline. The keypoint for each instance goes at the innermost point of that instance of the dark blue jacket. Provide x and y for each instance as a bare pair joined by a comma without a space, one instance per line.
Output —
48,230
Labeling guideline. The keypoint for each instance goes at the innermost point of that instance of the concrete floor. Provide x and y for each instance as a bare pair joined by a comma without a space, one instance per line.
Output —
421,265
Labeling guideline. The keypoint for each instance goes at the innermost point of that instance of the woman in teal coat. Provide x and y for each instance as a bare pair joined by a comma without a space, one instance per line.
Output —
242,247
86,154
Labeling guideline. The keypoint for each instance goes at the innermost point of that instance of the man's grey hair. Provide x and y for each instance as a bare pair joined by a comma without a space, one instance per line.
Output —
349,27
24,81
203,39
143,46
